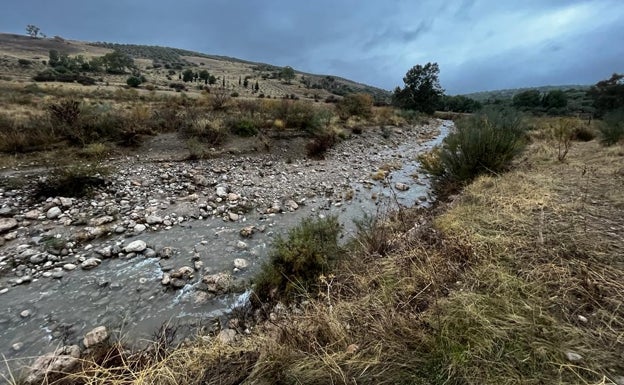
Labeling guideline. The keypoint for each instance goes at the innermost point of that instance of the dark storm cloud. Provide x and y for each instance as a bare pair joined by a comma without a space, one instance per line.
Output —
479,44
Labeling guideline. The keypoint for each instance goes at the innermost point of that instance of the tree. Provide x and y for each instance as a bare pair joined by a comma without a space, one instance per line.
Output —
555,99
527,99
116,62
54,58
288,74
608,94
187,75
246,82
257,86
212,80
422,89
32,30
134,81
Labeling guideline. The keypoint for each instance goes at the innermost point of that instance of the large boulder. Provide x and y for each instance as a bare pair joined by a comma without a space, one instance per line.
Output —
95,336
7,224
51,367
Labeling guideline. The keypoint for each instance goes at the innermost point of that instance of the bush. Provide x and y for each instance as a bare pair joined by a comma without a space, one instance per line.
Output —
204,131
242,126
612,129
483,143
583,133
318,146
359,104
24,62
134,81
71,181
25,135
296,262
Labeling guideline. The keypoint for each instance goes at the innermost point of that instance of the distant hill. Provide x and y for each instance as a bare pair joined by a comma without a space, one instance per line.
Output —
507,94
163,65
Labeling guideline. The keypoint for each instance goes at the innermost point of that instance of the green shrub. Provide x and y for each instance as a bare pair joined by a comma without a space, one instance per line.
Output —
205,132
583,133
296,262
359,104
134,81
242,126
481,144
612,129
320,143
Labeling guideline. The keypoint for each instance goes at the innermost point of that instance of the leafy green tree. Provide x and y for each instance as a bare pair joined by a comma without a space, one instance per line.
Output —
555,99
204,75
32,30
608,94
527,99
459,103
288,74
246,82
212,80
257,86
422,89
117,62
187,75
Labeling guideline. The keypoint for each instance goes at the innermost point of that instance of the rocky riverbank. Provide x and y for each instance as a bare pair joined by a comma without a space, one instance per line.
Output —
198,229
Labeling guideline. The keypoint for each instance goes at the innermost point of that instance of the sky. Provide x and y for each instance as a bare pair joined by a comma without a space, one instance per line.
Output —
479,45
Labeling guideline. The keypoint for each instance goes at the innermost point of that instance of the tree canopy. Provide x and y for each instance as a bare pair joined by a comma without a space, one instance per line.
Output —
422,90
608,94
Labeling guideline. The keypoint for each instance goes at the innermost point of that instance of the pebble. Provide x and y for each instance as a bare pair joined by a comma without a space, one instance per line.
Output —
17,346
7,224
139,228
69,266
25,314
573,357
90,263
2,291
95,336
241,263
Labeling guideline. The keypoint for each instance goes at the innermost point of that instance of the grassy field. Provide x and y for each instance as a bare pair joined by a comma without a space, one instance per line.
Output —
516,279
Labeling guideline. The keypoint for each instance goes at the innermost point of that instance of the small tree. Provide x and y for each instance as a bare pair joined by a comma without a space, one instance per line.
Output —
245,83
288,74
527,99
117,62
134,81
187,75
422,89
608,94
555,99
32,30
54,58
257,86
204,75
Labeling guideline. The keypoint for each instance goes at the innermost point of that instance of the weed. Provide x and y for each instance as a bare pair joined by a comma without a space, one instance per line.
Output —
318,146
71,181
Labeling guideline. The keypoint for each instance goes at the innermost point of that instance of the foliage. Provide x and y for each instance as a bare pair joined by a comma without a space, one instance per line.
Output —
288,74
422,90
555,99
483,143
134,81
359,104
242,126
187,75
320,143
32,30
612,129
608,94
458,103
527,99
562,131
71,181
24,135
117,62
296,262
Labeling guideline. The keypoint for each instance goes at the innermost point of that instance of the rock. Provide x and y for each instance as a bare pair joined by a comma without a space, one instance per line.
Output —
32,215
241,245
153,220
573,357
233,197
177,283
583,319
90,263
7,224
69,266
200,297
66,202
10,236
401,186
95,336
105,252
233,216
101,220
222,191
5,290
25,314
291,205
53,213
17,346
226,336
166,279
219,283
241,263
198,265
52,366
149,253
185,272
7,211
121,229
37,259
139,228
247,231
135,246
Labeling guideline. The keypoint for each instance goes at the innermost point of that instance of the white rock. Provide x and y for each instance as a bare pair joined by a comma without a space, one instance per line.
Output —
90,263
95,336
401,186
17,346
222,191
226,336
241,245
135,246
101,220
241,263
66,202
32,214
69,266
139,228
233,216
2,291
46,369
53,213
25,314
583,319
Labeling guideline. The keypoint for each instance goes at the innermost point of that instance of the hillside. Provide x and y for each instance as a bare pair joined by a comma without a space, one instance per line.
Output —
164,65
507,94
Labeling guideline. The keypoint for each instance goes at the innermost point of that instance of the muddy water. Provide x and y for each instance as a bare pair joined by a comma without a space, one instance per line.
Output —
127,296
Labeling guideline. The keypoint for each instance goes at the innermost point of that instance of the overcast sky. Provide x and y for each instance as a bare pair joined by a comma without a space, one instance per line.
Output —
478,44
